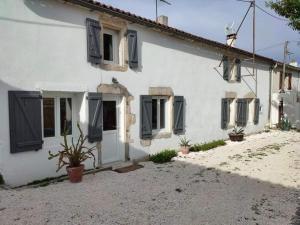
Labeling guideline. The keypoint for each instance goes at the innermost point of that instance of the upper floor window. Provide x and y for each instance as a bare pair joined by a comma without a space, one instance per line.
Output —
286,81
110,46
231,69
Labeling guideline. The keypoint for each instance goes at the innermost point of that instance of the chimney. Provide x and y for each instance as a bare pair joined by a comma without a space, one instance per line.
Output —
294,63
163,20
231,38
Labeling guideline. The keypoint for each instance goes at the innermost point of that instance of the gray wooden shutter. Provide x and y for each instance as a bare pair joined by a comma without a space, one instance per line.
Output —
256,110
242,112
238,70
132,49
93,41
146,117
178,123
239,112
25,120
225,113
225,68
95,117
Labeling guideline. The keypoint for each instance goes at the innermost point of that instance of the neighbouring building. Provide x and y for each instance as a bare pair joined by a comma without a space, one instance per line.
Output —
285,98
134,85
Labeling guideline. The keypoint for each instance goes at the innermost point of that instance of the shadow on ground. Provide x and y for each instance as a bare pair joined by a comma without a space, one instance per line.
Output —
172,193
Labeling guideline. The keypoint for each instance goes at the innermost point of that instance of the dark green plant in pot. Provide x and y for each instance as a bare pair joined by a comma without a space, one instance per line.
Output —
73,155
184,145
237,134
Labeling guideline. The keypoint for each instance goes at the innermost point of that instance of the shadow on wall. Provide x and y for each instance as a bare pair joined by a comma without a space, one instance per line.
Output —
55,10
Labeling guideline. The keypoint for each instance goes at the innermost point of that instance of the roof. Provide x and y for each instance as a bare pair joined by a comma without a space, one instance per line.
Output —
97,6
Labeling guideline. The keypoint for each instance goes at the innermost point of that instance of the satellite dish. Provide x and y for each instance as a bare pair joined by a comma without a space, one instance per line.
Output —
229,29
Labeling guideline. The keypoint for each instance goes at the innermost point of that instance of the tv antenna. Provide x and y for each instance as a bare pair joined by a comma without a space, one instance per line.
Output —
229,29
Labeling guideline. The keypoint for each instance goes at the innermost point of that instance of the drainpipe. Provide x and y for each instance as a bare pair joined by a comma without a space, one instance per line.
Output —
270,95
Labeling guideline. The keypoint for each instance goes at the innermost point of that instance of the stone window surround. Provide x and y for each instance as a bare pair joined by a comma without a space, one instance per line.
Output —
233,96
119,25
161,91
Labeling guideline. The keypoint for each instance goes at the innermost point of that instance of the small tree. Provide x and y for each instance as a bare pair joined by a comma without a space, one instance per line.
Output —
73,155
289,9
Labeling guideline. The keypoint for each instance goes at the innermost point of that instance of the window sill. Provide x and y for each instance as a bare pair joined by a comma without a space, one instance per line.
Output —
114,67
161,135
233,81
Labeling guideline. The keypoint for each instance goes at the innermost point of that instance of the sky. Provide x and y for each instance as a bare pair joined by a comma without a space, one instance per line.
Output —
208,18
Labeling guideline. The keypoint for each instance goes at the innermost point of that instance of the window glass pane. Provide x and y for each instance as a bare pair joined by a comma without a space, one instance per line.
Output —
154,114
66,115
109,115
108,47
162,113
49,117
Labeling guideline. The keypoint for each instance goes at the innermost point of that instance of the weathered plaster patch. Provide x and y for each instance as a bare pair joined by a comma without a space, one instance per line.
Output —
161,91
162,135
230,94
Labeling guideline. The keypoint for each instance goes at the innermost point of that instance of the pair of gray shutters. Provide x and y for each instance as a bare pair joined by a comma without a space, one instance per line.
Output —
146,116
93,29
226,69
25,120
242,112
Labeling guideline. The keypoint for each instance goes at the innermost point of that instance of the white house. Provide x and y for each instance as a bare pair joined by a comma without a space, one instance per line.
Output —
285,98
134,85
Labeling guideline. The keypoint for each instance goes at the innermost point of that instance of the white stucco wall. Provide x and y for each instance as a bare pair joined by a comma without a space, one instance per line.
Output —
43,47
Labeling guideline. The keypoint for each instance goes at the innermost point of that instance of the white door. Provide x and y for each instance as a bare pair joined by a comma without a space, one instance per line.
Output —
111,150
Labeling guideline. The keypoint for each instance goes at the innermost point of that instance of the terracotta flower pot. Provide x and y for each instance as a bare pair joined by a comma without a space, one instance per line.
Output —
185,150
75,173
236,137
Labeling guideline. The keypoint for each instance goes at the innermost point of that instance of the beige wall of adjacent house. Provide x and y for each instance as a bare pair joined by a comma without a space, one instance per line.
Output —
44,48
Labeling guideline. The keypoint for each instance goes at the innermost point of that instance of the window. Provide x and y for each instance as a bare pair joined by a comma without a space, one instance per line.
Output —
232,112
110,46
65,116
57,116
159,113
109,115
231,69
286,82
251,110
49,117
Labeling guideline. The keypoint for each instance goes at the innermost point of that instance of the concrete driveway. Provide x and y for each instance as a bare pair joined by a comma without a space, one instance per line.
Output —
253,182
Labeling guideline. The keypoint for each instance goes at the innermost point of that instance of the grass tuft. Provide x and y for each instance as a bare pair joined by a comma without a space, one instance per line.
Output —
207,146
164,156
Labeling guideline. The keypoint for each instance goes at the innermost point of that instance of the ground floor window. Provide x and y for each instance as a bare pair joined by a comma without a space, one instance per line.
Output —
159,113
57,116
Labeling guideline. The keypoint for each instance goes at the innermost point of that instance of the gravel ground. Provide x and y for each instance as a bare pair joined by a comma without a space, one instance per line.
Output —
253,182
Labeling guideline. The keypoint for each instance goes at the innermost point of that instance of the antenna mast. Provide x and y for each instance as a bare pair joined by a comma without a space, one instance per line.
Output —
254,72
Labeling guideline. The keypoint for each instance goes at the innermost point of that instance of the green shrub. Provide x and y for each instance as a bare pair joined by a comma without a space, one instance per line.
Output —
164,156
207,146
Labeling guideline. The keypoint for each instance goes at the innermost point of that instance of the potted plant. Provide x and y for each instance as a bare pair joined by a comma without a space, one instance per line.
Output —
237,134
285,123
184,145
73,155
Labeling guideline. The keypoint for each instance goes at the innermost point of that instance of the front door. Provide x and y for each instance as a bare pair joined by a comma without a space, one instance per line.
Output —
111,147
